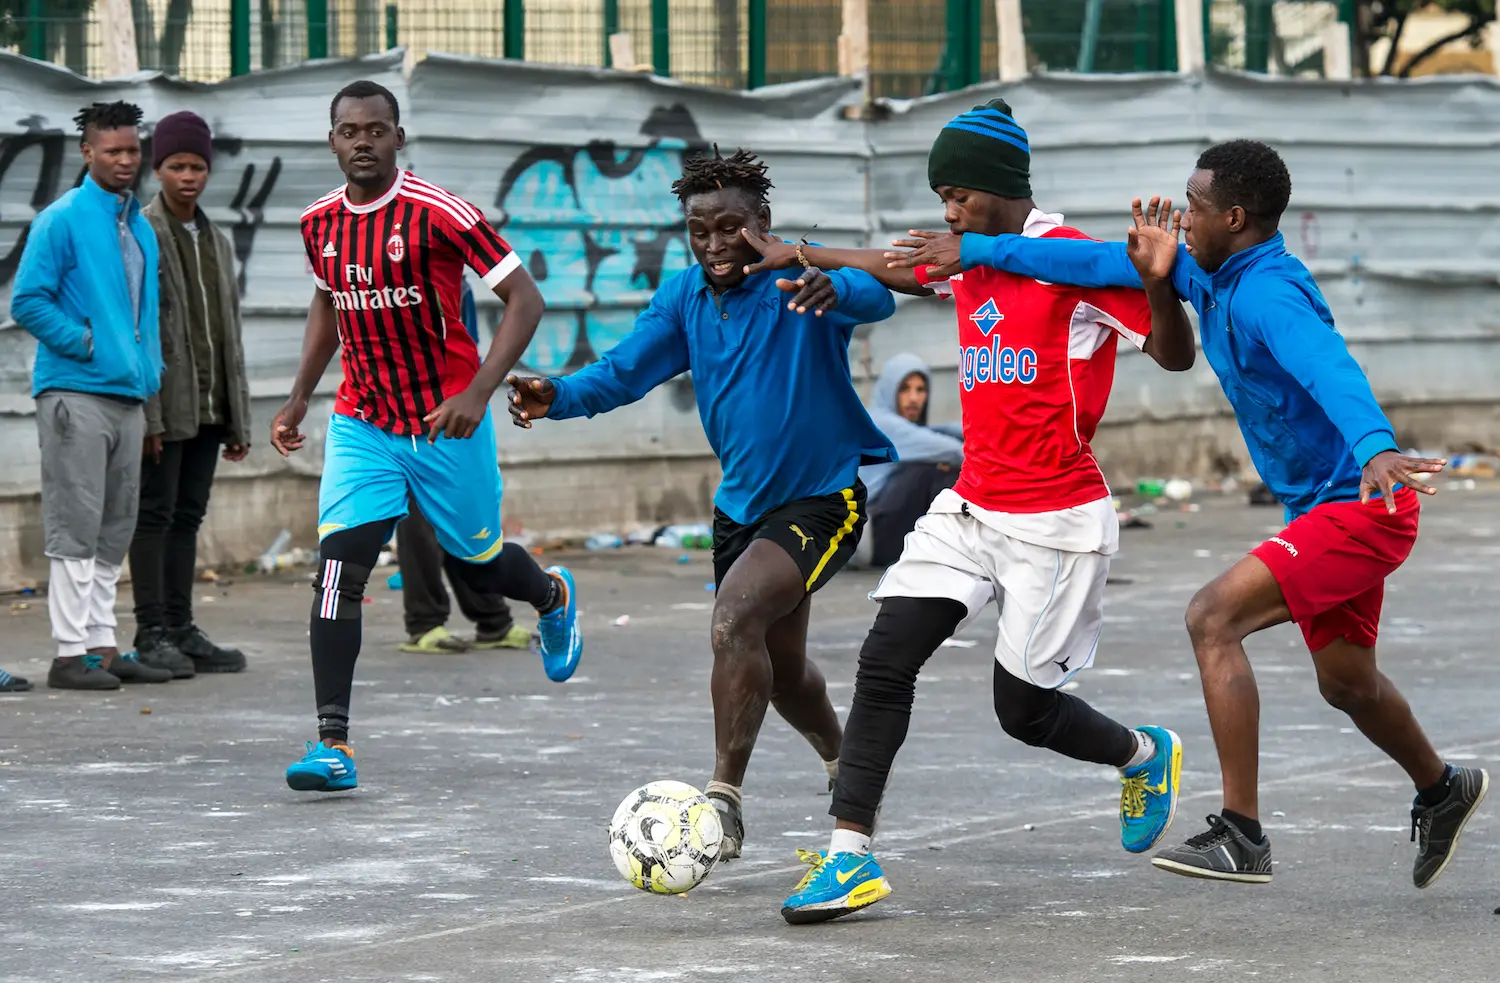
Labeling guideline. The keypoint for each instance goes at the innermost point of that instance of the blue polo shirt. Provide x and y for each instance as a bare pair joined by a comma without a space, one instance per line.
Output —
774,391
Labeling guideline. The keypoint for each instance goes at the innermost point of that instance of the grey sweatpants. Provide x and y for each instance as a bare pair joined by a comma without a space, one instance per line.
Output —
91,477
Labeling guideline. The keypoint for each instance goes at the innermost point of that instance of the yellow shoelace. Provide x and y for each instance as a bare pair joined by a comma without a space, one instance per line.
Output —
814,860
1133,796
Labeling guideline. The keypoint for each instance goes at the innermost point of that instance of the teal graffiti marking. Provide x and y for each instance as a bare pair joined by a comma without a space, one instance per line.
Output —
599,229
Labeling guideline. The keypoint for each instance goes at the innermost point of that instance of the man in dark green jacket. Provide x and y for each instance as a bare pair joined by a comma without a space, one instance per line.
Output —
204,403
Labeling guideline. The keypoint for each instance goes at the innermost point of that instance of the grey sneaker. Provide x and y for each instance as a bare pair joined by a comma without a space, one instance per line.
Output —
128,668
1436,829
1220,853
733,822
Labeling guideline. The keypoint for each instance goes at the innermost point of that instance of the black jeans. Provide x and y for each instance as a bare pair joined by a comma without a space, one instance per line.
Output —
423,598
907,631
903,499
164,551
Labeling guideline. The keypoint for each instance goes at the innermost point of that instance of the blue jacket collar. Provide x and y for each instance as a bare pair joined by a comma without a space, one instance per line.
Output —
108,200
1246,258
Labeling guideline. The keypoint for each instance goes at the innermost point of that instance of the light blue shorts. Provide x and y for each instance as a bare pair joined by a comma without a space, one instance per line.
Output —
367,474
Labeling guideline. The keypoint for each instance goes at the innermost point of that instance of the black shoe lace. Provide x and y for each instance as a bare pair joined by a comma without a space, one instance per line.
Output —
1218,832
1421,823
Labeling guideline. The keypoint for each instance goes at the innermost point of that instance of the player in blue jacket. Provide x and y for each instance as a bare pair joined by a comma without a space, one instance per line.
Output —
770,364
1319,441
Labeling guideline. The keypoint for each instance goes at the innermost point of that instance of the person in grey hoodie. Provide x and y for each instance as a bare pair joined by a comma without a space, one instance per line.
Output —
203,408
929,456
86,289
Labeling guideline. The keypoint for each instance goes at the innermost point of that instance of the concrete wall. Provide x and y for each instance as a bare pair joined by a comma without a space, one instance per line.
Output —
1394,208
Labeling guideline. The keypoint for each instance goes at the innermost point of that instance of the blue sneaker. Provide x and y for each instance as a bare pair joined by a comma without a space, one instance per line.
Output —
324,769
562,643
836,886
1148,799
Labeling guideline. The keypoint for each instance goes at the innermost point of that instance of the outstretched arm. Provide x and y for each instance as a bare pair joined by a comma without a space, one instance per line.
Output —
650,355
778,255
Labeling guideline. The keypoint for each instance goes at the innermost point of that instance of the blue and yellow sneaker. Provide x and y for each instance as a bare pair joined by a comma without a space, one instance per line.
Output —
836,886
324,769
1148,799
562,643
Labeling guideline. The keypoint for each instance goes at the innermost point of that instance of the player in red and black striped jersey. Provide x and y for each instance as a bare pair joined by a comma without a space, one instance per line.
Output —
388,252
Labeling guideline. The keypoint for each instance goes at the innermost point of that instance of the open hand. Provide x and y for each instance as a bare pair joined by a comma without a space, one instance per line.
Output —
530,399
1152,241
458,417
938,251
813,290
1388,469
774,254
285,436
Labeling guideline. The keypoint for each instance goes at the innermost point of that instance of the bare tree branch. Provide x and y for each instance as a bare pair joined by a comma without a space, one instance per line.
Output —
1475,26
1390,56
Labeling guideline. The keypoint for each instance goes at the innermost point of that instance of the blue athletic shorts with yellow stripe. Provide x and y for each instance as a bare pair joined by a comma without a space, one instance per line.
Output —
367,474
819,534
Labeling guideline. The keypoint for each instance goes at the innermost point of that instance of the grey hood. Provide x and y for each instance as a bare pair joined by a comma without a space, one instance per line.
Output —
915,442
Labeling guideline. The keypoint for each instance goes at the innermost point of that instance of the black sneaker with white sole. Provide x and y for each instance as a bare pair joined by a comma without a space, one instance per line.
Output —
1220,853
733,821
1436,829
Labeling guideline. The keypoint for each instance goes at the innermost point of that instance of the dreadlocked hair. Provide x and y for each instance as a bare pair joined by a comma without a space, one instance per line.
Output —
702,174
108,116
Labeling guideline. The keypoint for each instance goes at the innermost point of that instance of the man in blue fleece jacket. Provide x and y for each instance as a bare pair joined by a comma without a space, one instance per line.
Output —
1320,442
770,364
86,289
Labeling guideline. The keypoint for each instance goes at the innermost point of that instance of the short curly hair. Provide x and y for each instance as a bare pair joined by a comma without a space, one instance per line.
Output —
1250,174
702,174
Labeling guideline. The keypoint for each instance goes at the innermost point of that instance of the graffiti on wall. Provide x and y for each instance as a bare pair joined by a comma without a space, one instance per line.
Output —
37,178
599,229
596,224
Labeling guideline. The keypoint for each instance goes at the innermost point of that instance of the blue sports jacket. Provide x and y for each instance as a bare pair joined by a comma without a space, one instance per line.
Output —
1304,405
70,293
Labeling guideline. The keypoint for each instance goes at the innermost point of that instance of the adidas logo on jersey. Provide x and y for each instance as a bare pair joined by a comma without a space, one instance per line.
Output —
328,249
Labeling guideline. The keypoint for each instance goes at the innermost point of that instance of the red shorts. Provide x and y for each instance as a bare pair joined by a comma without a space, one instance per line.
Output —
1332,563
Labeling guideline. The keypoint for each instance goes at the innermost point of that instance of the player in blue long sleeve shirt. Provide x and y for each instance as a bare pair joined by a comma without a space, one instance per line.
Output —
1321,444
778,404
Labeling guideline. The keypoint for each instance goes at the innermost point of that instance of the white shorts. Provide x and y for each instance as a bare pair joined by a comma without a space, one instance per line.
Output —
1051,600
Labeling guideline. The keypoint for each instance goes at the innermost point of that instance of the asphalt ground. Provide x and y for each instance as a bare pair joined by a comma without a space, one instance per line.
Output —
148,834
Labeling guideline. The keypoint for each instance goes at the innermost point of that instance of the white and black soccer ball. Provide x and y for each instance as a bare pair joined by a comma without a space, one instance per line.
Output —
664,838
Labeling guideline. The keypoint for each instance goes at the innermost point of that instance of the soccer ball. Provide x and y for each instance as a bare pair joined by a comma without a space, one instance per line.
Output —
665,837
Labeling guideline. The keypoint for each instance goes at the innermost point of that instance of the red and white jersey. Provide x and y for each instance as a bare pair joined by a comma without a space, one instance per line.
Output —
394,268
1036,362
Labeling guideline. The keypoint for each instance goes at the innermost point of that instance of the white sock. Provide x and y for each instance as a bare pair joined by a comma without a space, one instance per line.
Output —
731,792
1145,750
848,841
832,767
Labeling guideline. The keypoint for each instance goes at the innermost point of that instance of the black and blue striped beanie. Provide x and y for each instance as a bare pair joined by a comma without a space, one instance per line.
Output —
984,149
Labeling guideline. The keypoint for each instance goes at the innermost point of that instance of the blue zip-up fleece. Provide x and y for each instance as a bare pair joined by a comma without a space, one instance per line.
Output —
71,293
774,391
1304,405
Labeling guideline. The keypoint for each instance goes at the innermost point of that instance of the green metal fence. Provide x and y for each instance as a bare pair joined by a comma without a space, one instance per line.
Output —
916,46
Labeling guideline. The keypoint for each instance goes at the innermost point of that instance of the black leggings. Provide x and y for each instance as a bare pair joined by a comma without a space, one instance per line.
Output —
906,632
346,559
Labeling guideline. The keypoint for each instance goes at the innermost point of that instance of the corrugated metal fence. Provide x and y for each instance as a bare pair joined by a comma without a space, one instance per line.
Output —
1395,208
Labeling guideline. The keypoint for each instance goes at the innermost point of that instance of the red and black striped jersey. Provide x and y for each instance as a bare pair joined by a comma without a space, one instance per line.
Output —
394,268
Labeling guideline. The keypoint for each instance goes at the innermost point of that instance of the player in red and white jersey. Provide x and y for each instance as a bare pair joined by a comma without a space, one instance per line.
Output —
1030,522
412,417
